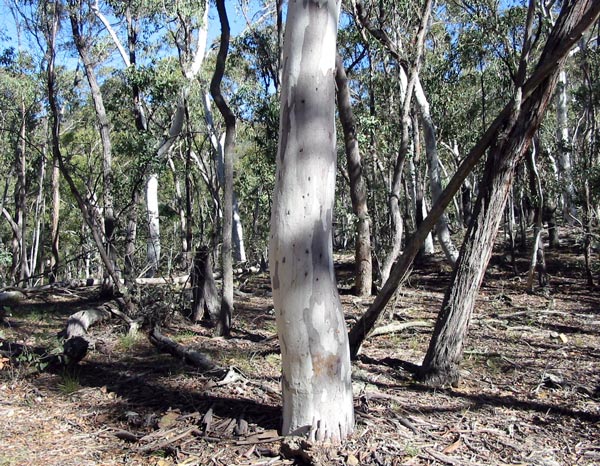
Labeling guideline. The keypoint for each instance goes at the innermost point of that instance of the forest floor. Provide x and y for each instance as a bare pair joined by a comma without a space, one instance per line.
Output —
529,395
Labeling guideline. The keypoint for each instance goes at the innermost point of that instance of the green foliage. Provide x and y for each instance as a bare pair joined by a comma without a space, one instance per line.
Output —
69,384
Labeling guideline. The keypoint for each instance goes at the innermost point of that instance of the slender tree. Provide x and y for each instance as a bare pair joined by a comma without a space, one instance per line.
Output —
363,279
224,326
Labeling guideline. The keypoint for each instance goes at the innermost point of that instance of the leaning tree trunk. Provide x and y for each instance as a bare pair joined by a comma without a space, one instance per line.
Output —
441,363
316,378
545,68
363,278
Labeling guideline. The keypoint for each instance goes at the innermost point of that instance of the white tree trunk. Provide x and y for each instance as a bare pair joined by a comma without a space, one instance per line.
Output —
564,151
153,244
435,179
316,378
239,250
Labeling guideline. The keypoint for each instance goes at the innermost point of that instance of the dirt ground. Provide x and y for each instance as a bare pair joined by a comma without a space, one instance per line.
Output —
530,390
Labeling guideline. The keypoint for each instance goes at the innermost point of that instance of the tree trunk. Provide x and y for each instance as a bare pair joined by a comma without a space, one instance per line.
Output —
224,326
564,150
441,363
153,242
363,279
435,179
104,129
316,379
205,301
239,249
54,231
538,261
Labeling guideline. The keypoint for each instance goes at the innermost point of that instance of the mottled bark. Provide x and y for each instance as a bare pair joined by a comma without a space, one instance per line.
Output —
435,180
316,378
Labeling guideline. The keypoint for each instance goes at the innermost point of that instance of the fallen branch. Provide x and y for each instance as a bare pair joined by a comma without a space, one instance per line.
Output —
194,358
12,297
399,327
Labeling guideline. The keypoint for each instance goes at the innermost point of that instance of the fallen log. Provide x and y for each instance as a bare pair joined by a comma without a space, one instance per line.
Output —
194,358
399,327
12,297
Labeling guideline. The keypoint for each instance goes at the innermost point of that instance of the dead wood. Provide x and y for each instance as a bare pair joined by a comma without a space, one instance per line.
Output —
399,327
43,357
205,301
194,358
12,297
78,323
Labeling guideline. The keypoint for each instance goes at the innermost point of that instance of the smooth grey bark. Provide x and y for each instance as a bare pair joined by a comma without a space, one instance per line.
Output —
224,325
564,150
82,45
239,249
441,364
435,180
363,278
316,371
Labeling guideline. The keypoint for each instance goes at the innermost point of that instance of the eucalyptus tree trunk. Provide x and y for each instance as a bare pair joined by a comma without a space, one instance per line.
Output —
412,74
38,217
435,179
538,261
363,278
239,249
441,363
224,325
153,221
83,46
316,378
54,222
564,149
412,194
20,238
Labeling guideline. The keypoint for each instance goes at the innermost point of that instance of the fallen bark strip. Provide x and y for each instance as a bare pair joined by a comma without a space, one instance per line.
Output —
399,327
194,358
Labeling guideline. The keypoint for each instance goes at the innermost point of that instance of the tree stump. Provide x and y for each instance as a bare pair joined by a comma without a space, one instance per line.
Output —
205,299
